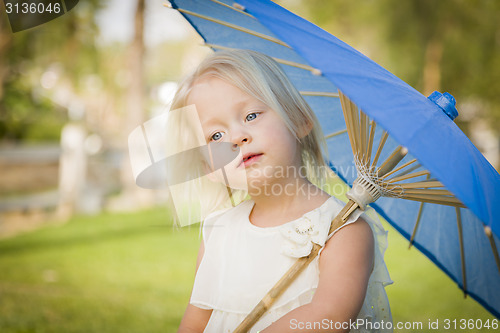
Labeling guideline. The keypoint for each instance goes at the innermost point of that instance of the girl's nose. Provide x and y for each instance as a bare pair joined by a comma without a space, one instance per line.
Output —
240,138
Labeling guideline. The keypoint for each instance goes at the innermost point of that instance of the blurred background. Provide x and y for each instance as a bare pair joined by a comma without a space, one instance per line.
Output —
83,249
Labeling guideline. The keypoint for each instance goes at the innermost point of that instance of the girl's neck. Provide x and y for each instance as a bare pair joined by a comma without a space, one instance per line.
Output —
285,201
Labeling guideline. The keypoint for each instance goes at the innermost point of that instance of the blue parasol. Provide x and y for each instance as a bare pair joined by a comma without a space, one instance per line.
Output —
452,214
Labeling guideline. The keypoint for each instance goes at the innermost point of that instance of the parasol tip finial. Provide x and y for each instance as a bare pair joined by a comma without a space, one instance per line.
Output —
487,231
239,6
446,102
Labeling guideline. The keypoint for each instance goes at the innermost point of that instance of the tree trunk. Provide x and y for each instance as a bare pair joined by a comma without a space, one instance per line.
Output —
432,66
5,44
131,194
136,94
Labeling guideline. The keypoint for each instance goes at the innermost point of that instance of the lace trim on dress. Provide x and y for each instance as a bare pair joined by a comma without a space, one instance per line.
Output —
313,227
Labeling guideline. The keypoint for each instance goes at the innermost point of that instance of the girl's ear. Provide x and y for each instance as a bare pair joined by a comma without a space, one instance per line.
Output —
305,129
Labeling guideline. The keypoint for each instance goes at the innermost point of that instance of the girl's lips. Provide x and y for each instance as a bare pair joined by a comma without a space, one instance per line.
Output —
250,159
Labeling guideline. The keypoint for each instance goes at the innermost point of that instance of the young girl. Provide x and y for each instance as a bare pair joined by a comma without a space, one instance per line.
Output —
244,98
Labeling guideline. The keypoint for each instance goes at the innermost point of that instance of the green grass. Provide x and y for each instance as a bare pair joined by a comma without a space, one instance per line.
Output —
111,273
134,272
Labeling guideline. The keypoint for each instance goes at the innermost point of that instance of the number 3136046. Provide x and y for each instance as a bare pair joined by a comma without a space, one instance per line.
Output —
470,324
32,8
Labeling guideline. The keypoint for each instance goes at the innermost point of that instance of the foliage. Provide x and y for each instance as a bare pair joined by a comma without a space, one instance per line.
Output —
26,117
468,34
67,41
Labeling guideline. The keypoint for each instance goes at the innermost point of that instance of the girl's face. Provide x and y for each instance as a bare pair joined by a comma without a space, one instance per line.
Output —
227,114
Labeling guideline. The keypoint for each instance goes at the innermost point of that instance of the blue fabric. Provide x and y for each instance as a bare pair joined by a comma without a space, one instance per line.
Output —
411,119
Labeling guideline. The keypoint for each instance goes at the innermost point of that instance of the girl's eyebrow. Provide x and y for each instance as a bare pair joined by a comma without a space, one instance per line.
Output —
239,105
207,122
249,101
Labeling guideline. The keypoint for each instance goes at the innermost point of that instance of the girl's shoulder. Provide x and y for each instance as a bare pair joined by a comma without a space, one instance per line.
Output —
225,216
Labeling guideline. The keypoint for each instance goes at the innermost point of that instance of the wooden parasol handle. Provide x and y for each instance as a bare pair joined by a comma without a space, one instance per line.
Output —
294,271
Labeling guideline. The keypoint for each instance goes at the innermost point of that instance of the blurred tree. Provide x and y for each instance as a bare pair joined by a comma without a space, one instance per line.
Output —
136,89
66,43
433,45
135,97
452,44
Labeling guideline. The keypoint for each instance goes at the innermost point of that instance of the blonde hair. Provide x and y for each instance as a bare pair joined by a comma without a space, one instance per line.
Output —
262,78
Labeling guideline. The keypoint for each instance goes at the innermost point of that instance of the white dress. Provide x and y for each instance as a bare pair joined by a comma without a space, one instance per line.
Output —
242,262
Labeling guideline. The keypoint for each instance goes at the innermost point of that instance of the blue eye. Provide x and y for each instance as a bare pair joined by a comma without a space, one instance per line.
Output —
216,136
251,116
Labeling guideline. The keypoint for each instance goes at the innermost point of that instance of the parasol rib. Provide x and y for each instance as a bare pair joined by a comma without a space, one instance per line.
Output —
350,113
335,134
347,116
233,8
368,156
397,155
428,191
408,170
235,27
411,175
381,144
489,234
423,184
363,131
417,223
447,201
462,252
398,168
319,94
313,70
356,128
